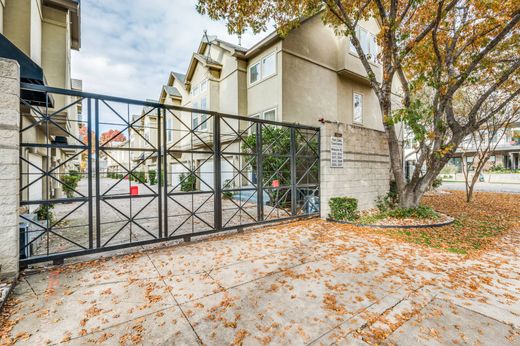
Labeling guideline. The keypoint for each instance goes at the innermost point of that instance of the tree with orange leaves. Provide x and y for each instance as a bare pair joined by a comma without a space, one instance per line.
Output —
111,136
434,49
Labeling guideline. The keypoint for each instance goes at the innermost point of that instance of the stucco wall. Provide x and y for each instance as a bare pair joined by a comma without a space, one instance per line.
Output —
267,93
309,91
365,174
349,61
371,111
17,23
314,82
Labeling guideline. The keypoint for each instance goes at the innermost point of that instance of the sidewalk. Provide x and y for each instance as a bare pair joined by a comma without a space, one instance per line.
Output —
307,282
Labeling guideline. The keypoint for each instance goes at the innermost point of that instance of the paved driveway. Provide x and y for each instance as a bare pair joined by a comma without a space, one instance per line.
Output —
308,282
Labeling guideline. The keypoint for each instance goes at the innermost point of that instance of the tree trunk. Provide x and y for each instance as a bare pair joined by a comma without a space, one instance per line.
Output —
411,196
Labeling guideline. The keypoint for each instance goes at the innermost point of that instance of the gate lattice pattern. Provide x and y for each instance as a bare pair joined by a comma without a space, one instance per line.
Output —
102,173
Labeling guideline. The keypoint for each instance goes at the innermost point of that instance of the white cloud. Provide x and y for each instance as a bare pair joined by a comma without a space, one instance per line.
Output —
129,47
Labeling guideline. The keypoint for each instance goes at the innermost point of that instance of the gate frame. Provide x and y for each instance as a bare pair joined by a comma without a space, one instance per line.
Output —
162,163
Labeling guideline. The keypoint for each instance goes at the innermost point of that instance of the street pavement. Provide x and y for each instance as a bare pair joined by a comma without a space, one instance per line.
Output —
482,186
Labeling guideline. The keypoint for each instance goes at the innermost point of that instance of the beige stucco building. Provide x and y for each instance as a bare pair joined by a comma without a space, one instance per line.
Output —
40,34
310,74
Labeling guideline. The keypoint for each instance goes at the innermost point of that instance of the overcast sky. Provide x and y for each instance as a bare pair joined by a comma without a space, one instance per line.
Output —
129,47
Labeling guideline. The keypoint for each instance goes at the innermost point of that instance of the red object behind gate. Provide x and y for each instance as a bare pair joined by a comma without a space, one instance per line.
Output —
134,190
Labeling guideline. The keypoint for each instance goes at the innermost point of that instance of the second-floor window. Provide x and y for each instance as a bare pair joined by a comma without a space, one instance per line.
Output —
195,117
254,73
198,120
266,115
368,43
169,129
357,101
263,69
203,117
203,86
269,65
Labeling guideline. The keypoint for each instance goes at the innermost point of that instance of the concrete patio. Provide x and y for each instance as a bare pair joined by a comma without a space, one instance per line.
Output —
308,282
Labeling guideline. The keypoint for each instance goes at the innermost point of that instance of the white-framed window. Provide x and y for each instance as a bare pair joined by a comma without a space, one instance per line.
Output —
263,69
269,115
373,49
195,90
204,86
368,43
203,117
255,74
363,40
169,130
269,65
195,117
357,108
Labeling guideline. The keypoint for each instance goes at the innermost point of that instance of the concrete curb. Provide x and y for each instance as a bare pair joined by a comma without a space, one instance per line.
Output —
5,289
434,225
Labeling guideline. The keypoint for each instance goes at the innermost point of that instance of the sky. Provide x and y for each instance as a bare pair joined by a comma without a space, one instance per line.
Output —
128,48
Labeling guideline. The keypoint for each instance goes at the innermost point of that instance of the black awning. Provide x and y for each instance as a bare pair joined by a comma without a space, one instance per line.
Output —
30,72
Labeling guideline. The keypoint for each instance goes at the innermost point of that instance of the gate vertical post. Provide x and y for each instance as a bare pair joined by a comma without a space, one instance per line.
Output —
217,196
158,172
164,176
293,172
89,175
98,197
259,174
319,170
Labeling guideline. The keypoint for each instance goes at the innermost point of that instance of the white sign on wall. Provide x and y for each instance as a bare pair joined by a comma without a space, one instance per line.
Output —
336,151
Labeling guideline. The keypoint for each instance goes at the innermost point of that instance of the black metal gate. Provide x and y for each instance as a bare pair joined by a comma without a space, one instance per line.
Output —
101,173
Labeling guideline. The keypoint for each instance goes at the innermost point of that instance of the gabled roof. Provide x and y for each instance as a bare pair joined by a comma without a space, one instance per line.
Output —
172,91
179,76
206,61
200,56
231,45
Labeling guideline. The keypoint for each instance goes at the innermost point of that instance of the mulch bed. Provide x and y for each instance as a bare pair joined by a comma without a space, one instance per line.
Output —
406,223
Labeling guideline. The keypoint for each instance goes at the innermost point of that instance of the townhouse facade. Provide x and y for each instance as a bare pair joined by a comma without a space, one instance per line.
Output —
311,77
39,35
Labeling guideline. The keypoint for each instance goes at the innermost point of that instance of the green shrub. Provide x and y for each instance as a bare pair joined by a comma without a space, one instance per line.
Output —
44,212
188,182
70,183
343,208
152,177
390,200
139,177
75,173
421,212
227,194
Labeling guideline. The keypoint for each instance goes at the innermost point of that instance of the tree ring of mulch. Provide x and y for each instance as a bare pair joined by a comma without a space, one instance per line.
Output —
431,225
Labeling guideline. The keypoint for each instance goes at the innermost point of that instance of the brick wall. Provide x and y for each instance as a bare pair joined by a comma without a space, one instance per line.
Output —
9,166
366,168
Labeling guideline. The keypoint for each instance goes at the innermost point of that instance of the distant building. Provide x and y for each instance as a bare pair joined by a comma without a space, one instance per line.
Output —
506,154
40,35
